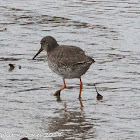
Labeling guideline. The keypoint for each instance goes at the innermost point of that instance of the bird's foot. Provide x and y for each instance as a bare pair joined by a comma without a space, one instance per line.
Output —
79,97
57,93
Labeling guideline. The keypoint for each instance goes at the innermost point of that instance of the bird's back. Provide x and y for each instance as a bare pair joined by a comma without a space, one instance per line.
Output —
69,55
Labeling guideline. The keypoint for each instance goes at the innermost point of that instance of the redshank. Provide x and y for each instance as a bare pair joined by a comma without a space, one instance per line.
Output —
67,61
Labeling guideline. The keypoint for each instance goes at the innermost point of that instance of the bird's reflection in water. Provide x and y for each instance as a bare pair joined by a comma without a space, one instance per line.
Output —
58,99
72,122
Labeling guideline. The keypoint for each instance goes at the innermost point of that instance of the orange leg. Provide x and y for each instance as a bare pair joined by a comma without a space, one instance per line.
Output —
81,86
57,93
64,86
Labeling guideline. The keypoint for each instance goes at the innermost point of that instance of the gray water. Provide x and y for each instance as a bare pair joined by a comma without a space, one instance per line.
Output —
109,32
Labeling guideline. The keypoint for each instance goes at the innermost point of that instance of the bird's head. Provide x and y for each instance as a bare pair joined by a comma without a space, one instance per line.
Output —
48,43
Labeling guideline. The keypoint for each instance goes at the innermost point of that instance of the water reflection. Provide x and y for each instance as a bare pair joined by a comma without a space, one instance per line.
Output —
72,122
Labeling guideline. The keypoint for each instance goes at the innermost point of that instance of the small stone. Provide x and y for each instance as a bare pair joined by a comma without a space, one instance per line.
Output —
19,67
11,67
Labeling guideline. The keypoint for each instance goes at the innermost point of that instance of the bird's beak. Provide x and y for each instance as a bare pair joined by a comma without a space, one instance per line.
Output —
40,50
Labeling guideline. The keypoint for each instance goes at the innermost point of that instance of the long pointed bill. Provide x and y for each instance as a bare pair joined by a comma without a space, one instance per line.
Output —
40,50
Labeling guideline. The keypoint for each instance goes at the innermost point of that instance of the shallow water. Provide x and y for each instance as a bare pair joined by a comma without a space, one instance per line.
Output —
109,32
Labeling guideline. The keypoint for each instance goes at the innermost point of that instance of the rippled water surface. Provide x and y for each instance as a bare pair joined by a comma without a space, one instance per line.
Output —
108,31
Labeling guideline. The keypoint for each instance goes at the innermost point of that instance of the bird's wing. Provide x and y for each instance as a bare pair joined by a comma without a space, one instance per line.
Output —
70,56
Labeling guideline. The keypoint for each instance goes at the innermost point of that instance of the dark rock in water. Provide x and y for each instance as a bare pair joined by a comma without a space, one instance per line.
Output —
11,67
